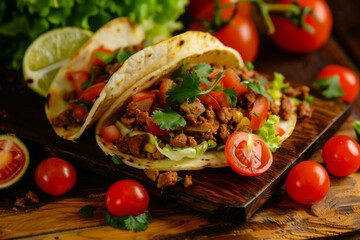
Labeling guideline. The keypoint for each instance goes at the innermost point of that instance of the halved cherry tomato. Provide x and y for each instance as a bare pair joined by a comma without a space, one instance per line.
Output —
279,130
102,50
248,154
307,182
92,92
77,78
166,84
341,155
137,97
154,129
349,81
292,38
210,100
231,80
79,112
259,112
110,133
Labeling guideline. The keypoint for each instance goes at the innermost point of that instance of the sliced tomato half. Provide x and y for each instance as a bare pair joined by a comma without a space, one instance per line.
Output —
248,154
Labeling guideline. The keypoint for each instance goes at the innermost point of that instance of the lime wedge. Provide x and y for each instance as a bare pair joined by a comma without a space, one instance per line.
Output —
47,53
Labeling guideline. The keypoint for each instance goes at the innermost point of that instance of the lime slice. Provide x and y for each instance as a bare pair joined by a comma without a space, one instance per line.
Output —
47,53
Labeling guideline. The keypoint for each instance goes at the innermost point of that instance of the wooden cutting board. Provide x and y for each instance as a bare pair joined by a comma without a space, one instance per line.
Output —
220,192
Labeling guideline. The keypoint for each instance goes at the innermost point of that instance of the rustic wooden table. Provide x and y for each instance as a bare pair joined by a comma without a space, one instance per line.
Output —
279,218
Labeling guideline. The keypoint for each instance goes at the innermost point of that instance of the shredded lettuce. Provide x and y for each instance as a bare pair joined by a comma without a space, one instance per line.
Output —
176,154
22,21
277,85
268,132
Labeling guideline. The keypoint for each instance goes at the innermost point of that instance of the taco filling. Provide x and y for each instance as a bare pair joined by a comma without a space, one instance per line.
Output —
198,106
89,84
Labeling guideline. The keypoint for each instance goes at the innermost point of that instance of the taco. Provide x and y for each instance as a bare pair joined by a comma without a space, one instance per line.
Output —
104,67
180,116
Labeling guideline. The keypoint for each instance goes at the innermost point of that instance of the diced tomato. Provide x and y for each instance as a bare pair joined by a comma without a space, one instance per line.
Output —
110,133
79,112
97,60
231,80
166,84
77,78
154,129
137,97
220,96
210,100
259,112
279,130
92,92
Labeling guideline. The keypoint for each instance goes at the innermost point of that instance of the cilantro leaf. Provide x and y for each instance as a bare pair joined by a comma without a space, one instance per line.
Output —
203,70
87,211
123,55
168,119
231,95
330,86
257,88
128,222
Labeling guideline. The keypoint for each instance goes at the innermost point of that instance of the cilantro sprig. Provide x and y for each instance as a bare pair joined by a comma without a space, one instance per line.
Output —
330,86
168,119
137,223
257,88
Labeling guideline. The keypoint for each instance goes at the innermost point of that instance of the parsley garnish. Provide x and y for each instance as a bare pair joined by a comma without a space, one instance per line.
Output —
168,119
86,104
189,88
330,86
88,83
123,55
128,222
87,211
257,88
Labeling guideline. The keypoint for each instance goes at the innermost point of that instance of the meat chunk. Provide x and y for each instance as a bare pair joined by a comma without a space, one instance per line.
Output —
301,92
65,119
127,120
196,108
227,114
136,144
224,132
304,110
274,108
155,156
182,140
286,108
188,181
151,173
167,179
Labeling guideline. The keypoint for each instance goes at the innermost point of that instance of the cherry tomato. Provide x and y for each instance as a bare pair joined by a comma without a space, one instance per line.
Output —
92,92
247,154
77,78
341,155
97,60
55,176
307,182
79,112
349,81
210,100
294,39
126,197
206,9
154,129
165,85
110,133
231,80
259,112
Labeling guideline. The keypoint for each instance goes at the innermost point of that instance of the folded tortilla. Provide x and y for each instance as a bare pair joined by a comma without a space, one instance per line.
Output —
117,34
219,56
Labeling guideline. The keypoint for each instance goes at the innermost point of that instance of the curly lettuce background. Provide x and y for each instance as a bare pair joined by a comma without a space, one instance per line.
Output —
21,21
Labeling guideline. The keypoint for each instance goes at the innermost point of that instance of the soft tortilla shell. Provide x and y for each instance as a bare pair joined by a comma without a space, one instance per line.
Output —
116,34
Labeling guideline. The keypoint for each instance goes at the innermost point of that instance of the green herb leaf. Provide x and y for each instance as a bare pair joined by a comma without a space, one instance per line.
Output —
231,95
356,126
128,222
105,57
87,211
330,86
203,71
256,115
88,84
116,160
249,65
257,88
123,55
168,119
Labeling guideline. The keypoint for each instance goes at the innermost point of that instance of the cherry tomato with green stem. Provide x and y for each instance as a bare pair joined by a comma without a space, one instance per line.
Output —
307,182
126,197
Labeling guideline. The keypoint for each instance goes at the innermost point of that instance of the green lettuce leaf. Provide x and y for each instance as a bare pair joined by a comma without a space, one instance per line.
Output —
277,85
268,132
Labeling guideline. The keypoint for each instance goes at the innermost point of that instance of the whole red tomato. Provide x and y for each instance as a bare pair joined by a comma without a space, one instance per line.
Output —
341,155
126,197
294,39
55,176
207,8
248,154
307,182
349,81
